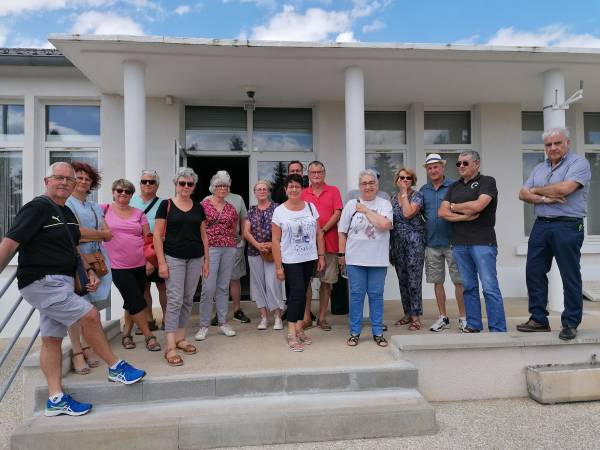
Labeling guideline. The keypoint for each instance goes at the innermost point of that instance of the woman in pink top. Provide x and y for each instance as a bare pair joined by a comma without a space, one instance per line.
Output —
126,253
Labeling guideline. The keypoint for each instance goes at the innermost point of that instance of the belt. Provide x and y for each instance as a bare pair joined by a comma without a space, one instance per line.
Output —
560,219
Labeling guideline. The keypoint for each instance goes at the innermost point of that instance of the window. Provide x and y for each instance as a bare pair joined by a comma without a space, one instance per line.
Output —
215,129
530,160
283,130
447,127
385,145
591,129
11,163
532,127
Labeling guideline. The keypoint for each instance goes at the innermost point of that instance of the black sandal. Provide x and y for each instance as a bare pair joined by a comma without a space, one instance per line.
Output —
152,347
470,330
353,340
380,340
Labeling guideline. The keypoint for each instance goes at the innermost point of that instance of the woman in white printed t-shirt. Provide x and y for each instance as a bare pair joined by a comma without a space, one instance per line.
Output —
364,237
297,243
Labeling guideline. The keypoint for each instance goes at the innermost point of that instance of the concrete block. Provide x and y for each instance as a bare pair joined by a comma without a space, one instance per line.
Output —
386,378
318,381
181,388
562,383
248,384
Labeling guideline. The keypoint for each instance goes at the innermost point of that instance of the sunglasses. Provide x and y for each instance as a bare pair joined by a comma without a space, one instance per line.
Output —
186,183
462,163
148,182
123,191
402,177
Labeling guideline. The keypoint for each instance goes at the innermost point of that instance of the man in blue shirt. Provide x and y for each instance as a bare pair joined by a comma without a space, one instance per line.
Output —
437,251
558,189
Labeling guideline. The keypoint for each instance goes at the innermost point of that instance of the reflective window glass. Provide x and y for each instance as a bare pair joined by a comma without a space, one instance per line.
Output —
215,129
11,170
530,160
72,123
11,123
593,216
447,127
591,127
532,127
283,130
385,128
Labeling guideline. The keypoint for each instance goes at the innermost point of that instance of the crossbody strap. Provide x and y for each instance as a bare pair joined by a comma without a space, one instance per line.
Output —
149,207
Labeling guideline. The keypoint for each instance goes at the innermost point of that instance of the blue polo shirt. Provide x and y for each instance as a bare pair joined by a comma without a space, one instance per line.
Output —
572,167
439,231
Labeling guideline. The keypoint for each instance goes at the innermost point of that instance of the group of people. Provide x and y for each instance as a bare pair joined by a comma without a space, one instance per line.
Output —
309,233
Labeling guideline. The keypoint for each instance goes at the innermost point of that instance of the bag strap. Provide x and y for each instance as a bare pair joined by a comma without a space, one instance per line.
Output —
152,203
310,208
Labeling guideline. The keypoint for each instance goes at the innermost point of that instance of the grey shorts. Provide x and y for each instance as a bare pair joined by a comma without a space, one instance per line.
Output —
58,305
239,264
435,268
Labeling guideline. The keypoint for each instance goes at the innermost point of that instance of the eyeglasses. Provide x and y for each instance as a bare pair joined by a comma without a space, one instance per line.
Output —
62,178
402,177
316,172
261,190
367,183
123,191
462,163
148,182
222,186
186,183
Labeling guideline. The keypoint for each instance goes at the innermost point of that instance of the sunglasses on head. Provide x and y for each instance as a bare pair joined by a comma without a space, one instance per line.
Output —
148,181
402,177
123,191
462,163
186,183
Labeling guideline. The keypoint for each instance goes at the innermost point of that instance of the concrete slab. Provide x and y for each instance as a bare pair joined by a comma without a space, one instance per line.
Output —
564,383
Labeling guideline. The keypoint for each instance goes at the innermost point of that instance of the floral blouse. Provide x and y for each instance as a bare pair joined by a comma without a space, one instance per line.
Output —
220,226
260,225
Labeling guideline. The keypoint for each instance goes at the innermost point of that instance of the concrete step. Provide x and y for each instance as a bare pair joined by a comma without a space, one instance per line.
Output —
221,422
400,374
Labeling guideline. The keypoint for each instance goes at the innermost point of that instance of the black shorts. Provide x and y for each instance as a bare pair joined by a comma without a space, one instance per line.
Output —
131,284
154,278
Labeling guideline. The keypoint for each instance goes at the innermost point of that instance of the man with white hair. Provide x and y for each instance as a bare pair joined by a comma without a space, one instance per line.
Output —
558,189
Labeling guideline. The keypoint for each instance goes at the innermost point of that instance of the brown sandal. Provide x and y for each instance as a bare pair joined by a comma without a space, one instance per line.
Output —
380,340
415,325
173,361
353,340
404,321
152,347
127,342
90,361
84,370
188,348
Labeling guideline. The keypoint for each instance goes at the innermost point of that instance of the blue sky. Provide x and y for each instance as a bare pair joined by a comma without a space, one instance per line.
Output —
27,23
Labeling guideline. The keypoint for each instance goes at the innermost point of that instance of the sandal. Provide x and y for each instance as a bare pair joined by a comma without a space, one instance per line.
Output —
404,321
415,325
152,347
323,325
353,340
175,360
188,348
470,330
294,343
380,340
85,369
303,338
127,342
92,362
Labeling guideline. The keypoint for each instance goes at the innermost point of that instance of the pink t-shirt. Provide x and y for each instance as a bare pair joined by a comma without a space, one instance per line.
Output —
126,248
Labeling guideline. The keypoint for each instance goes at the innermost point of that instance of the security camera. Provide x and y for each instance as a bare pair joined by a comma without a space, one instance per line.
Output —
250,94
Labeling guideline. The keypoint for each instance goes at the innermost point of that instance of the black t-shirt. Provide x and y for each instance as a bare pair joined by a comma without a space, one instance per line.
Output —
481,230
183,239
45,248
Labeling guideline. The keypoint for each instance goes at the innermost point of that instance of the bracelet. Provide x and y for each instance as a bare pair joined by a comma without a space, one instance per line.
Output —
341,254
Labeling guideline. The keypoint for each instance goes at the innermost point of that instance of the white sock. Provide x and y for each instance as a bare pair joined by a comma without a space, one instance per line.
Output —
56,397
114,366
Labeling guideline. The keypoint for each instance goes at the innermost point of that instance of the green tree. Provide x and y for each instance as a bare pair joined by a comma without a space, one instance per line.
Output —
279,174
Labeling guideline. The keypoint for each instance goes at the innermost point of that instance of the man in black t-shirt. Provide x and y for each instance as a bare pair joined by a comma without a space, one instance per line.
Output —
48,260
470,205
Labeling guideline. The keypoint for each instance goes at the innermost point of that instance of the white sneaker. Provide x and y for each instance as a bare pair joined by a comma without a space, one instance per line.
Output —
462,323
442,322
278,324
264,323
227,330
201,334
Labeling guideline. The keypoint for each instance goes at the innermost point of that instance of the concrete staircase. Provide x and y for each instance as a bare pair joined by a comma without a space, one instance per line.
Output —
192,412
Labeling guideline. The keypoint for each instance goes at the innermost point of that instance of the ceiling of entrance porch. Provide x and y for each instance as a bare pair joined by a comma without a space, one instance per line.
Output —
302,74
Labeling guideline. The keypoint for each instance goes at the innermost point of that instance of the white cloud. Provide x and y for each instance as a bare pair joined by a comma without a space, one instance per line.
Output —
470,40
95,22
3,35
183,9
554,35
26,42
314,25
346,36
376,25
366,8
8,7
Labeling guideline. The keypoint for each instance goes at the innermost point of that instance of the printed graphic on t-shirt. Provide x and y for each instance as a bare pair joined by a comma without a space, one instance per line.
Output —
362,229
301,232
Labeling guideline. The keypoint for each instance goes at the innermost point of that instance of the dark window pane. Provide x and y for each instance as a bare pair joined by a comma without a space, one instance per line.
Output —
72,123
283,130
11,123
593,217
447,127
11,169
530,160
385,128
591,127
209,128
532,127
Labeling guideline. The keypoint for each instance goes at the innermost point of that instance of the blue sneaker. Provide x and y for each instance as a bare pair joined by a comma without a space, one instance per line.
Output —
66,405
125,373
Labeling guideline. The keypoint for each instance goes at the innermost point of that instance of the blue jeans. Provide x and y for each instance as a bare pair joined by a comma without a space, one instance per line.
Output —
473,260
561,240
366,280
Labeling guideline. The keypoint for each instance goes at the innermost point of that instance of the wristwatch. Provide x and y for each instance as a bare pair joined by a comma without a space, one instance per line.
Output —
341,255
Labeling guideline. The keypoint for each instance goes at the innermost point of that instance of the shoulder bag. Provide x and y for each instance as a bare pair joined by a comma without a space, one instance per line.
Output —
95,259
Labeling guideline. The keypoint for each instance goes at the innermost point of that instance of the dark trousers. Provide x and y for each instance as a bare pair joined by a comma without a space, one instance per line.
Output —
297,279
131,284
561,240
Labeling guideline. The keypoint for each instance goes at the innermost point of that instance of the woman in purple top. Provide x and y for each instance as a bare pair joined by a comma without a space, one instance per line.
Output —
265,288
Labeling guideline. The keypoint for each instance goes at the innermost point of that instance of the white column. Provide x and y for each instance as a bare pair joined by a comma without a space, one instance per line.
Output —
134,108
355,125
554,92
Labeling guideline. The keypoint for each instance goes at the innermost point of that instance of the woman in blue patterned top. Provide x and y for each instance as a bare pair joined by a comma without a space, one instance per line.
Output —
407,247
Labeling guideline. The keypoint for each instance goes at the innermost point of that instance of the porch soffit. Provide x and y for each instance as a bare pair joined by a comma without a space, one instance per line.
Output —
301,74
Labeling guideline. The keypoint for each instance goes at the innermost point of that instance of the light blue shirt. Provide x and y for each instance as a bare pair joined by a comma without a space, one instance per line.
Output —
572,167
137,202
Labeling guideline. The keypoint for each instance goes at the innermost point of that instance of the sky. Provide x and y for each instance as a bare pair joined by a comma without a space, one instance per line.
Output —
549,23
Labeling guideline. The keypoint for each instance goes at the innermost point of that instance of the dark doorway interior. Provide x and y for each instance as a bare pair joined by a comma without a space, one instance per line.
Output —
238,168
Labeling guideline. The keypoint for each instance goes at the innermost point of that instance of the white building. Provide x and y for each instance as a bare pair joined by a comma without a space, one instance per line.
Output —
128,103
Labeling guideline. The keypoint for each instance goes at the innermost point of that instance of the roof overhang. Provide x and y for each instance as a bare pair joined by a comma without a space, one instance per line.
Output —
299,73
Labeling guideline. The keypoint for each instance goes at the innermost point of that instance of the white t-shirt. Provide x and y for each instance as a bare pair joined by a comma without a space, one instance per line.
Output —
298,233
365,244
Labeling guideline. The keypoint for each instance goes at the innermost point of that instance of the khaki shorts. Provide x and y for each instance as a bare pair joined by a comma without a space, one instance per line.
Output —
239,264
435,269
330,274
